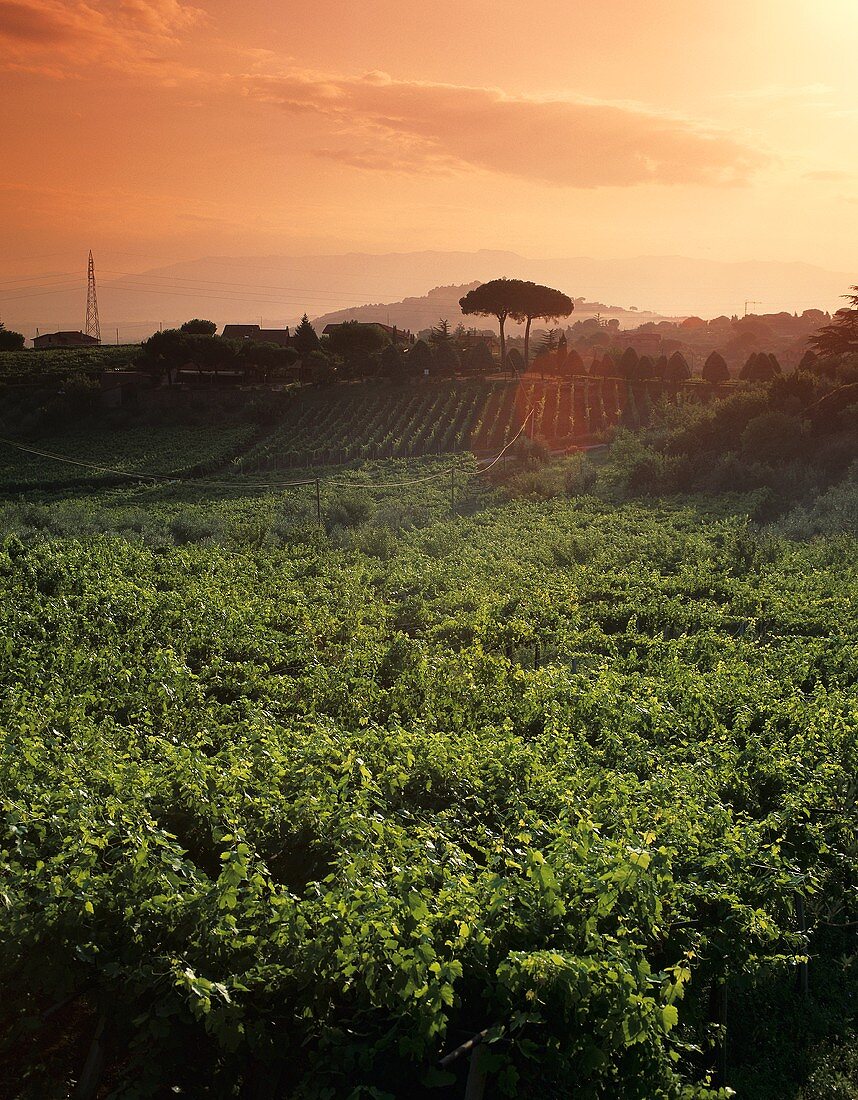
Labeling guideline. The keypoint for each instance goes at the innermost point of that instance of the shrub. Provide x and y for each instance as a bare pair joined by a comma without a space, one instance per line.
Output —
375,542
540,483
402,517
628,365
348,508
445,358
9,340
639,469
772,437
419,358
531,452
194,526
579,475
573,365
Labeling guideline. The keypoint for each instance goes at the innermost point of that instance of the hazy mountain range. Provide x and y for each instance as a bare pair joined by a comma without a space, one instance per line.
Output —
278,289
424,311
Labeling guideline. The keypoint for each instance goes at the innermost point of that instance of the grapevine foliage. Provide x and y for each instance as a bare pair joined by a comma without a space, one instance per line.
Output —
301,820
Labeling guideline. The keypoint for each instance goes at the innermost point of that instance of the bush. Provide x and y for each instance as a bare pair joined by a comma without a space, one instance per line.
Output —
773,437
715,369
540,483
194,527
835,1074
479,359
579,475
639,469
348,508
402,517
9,340
531,452
375,542
833,512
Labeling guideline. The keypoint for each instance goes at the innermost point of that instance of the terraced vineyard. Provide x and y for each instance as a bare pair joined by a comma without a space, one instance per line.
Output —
357,423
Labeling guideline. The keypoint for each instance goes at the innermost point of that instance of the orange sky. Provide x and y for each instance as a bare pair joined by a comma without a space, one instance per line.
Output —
157,130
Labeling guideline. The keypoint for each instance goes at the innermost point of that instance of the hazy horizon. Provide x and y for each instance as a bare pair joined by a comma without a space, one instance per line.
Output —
266,290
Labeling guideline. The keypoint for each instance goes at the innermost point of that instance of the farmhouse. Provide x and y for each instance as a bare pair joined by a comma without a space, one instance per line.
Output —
468,340
65,340
394,334
279,336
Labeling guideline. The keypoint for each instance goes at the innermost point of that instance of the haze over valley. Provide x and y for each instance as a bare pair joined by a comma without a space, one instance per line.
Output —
280,289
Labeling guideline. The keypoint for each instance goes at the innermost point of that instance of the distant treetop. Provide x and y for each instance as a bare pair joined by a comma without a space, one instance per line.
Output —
519,299
841,336
199,327
9,340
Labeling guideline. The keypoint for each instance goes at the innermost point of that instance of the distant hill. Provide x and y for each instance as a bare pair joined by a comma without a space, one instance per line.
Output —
423,312
279,289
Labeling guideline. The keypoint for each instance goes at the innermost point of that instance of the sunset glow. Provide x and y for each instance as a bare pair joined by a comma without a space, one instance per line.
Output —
160,130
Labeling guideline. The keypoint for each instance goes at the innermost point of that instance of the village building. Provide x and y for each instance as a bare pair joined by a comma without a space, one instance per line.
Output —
279,336
65,340
467,340
394,334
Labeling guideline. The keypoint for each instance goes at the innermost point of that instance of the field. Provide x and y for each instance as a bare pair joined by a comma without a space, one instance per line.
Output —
371,421
73,458
28,367
342,744
302,429
343,425
296,815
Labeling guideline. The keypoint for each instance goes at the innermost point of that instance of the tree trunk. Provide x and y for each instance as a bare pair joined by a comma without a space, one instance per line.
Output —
502,342
527,342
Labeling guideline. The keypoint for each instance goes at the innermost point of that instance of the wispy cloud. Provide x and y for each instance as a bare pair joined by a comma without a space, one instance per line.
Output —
57,38
377,123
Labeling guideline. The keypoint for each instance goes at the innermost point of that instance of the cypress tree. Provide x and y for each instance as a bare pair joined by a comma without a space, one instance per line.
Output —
677,368
419,358
715,368
573,364
390,362
808,361
628,366
479,359
515,360
445,358
305,339
758,368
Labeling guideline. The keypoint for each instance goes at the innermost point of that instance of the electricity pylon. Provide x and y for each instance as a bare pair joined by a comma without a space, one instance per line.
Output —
92,326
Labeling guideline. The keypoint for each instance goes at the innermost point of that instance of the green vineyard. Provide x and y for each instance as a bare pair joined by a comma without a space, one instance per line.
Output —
139,451
296,822
369,422
334,426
